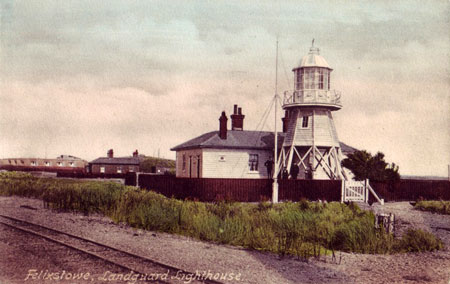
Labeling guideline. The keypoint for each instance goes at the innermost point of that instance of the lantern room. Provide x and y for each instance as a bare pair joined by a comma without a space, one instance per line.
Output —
313,72
312,84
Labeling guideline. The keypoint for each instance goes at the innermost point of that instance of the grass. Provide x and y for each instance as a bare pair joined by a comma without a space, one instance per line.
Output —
303,229
441,207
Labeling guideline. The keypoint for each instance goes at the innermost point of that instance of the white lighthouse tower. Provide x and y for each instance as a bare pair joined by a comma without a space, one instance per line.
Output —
311,142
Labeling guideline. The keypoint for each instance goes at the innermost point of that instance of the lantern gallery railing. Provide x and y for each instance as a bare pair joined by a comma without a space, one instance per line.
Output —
312,96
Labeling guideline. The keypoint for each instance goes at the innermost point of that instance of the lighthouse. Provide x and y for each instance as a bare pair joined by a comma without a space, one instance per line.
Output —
311,145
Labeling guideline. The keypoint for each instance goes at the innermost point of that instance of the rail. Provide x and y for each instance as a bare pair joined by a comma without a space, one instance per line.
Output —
312,96
138,264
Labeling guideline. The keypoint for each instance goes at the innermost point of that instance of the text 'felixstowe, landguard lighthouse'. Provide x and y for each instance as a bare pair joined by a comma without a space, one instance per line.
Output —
311,140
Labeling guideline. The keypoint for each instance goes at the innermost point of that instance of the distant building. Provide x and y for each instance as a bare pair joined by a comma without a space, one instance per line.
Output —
61,163
118,165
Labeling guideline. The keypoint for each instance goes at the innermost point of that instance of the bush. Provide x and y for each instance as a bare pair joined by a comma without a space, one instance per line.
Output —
442,207
418,241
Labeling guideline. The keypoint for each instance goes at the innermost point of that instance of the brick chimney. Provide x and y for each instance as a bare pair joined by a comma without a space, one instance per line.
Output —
135,153
110,153
223,126
285,120
237,119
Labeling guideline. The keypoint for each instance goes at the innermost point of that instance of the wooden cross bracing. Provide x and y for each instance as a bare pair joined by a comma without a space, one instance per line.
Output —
326,159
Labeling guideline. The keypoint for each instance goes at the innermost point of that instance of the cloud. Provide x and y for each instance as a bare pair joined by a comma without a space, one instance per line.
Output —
80,77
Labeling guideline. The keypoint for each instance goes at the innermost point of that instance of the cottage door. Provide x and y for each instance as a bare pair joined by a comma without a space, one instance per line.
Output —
190,166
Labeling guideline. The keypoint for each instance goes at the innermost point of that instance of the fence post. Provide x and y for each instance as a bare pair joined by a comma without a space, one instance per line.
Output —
342,190
137,179
366,190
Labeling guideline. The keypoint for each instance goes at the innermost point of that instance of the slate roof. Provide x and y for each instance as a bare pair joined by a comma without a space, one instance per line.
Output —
117,161
236,139
241,139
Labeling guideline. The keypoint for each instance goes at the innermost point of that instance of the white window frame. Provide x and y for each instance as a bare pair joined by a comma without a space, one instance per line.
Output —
305,120
252,164
102,169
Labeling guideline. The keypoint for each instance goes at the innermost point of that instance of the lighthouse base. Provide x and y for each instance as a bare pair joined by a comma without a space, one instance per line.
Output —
311,162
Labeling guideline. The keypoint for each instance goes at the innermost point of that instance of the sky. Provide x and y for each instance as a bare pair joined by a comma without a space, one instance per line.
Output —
82,77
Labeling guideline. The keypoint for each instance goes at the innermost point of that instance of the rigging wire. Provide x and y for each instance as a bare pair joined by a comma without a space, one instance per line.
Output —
284,68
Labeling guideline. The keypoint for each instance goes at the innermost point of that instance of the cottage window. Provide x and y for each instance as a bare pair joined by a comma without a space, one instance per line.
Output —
60,164
131,169
102,170
119,170
253,162
33,163
305,122
183,166
47,164
72,164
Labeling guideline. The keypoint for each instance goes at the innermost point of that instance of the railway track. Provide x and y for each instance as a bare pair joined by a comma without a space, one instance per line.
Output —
143,268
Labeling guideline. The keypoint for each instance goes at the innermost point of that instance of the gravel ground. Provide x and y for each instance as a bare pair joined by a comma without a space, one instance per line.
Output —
252,266
23,257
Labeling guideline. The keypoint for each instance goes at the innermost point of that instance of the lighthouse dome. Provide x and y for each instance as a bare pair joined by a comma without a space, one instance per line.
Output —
313,59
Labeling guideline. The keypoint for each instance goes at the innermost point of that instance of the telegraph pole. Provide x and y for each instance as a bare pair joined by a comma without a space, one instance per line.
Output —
275,151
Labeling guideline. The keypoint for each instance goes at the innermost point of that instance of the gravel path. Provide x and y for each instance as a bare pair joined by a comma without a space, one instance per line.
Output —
252,266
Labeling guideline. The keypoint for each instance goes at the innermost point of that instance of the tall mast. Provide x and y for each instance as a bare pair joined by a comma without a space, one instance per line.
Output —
275,154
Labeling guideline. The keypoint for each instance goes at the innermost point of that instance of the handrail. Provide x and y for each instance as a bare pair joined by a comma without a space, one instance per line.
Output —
312,96
380,200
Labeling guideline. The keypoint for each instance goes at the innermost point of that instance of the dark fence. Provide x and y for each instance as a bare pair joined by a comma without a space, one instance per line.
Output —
88,175
254,190
296,190
206,189
65,170
243,190
409,189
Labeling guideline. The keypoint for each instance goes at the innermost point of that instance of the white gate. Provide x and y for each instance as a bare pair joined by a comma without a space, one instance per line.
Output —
357,191
354,191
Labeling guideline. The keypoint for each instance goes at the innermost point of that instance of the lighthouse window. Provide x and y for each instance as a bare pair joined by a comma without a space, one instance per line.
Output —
305,121
299,79
328,80
321,79
316,78
253,162
309,79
